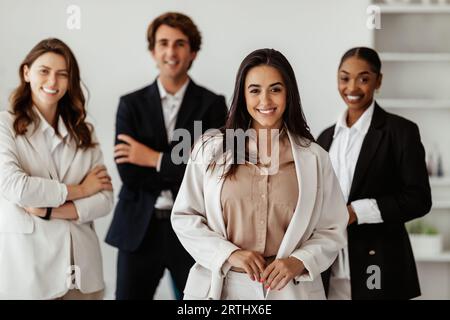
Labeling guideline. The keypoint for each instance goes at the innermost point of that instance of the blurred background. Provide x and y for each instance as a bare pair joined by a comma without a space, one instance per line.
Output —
110,45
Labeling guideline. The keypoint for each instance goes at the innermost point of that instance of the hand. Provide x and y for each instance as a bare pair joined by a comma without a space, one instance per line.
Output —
135,152
278,274
252,262
95,181
352,215
39,212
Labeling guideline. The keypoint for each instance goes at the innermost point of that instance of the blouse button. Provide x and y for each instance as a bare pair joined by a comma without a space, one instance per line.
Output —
372,252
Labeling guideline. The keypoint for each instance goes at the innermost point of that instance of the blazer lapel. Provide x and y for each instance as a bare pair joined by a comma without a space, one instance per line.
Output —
368,149
328,138
190,102
156,115
213,190
36,139
306,169
67,156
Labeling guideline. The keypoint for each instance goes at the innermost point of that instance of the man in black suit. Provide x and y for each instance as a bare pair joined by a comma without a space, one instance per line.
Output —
146,120
391,170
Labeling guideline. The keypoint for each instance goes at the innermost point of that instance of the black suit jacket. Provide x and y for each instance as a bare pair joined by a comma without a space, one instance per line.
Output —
140,115
390,169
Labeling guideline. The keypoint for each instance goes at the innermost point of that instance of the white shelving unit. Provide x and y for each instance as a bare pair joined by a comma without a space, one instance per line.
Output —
414,57
414,46
438,205
415,103
436,182
413,8
442,257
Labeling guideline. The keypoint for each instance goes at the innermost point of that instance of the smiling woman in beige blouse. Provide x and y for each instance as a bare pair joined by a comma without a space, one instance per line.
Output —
262,218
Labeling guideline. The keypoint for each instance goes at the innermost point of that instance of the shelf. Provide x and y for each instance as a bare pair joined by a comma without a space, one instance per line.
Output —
441,204
416,8
414,103
442,257
414,57
439,182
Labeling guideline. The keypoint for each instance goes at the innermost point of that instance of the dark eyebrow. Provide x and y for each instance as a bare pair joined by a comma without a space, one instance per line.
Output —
259,86
361,73
177,40
276,83
45,67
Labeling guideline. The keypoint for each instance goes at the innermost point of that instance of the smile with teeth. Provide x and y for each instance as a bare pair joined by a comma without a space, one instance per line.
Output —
171,62
266,111
49,91
354,97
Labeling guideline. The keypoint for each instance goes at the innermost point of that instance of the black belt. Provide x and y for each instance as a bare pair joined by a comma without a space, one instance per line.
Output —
162,214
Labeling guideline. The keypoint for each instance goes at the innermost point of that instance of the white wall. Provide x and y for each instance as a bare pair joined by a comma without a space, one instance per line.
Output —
111,50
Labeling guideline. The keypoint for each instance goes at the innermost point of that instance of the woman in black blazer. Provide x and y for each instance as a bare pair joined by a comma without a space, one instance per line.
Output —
380,162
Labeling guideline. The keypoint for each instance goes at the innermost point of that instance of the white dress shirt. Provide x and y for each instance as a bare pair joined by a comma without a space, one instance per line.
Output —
171,104
344,153
54,142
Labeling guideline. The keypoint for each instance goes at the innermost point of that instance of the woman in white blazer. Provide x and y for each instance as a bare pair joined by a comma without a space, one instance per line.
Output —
272,245
53,184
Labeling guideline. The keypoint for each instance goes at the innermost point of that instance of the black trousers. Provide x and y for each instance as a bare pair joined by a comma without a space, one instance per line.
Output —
139,272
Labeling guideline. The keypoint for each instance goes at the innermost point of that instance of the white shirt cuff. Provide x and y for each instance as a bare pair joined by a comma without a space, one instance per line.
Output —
367,211
158,164
65,192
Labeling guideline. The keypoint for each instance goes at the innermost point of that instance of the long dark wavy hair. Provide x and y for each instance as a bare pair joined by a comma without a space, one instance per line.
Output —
238,116
71,107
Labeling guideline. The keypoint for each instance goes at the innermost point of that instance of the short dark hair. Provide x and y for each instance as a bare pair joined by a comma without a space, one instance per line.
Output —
367,54
179,21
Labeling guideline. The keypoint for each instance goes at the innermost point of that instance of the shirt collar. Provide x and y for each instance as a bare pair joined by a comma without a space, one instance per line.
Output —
362,125
46,128
177,96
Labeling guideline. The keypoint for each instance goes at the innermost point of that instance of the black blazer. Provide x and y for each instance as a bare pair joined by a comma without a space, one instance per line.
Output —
140,115
391,169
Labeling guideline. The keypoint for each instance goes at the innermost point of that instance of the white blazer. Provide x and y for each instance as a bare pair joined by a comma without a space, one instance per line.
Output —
315,234
35,253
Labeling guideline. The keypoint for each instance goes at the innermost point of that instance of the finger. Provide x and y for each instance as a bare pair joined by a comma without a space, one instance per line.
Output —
283,282
249,271
267,271
107,186
271,277
105,180
261,263
121,153
102,174
276,283
126,138
123,160
121,146
97,168
256,273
